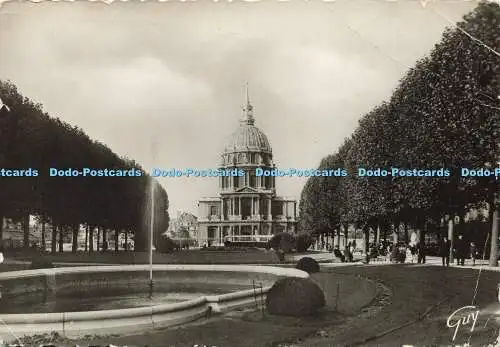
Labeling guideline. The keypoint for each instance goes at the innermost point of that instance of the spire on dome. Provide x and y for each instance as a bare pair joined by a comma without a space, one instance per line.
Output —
247,109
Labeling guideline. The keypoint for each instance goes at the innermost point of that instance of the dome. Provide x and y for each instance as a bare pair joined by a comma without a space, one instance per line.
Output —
248,138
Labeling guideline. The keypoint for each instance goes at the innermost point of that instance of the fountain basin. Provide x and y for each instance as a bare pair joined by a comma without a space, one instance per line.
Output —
61,282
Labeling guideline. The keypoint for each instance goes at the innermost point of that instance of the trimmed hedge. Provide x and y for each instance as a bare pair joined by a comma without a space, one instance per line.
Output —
296,297
304,241
283,241
166,245
308,265
41,263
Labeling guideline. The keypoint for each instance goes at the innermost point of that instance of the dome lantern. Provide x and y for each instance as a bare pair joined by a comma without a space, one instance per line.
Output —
248,138
247,110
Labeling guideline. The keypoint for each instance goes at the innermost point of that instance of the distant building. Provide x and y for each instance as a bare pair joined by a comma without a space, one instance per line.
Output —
13,234
184,221
247,207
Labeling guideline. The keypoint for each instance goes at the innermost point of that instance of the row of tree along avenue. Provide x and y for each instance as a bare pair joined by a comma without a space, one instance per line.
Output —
30,138
445,113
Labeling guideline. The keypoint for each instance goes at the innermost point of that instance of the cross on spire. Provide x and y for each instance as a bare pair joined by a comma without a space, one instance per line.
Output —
247,109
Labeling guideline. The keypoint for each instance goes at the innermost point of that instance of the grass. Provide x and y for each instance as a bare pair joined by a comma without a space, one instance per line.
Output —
180,257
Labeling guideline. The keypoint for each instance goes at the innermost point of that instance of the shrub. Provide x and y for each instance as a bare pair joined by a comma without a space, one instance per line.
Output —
304,241
166,245
308,265
41,263
282,241
295,297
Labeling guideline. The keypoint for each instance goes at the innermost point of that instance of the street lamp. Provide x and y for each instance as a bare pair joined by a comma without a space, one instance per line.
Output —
154,146
151,232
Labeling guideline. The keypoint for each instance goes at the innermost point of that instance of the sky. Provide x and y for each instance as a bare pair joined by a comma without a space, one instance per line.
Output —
173,74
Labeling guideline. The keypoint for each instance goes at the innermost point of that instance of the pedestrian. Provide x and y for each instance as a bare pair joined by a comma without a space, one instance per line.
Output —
421,252
461,250
413,252
444,251
473,253
347,254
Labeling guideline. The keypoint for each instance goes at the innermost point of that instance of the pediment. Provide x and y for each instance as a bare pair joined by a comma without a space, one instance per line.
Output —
247,190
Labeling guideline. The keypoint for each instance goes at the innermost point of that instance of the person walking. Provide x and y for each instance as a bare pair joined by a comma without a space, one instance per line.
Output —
473,253
461,250
421,252
444,251
413,252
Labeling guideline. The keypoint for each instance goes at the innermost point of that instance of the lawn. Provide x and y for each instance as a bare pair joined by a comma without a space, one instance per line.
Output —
250,256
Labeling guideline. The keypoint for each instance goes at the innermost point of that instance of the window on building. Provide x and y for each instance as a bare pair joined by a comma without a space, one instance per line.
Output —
213,210
267,182
253,180
276,208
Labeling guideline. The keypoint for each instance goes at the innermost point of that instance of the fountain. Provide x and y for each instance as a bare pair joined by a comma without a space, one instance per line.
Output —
77,308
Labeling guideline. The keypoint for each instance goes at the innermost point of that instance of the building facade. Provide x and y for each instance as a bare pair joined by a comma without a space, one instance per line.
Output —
247,207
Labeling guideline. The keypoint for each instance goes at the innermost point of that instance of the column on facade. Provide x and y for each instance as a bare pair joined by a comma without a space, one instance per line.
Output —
222,209
257,205
283,209
269,208
239,206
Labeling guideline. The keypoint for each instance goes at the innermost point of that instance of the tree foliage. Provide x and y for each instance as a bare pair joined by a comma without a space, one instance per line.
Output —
445,113
30,138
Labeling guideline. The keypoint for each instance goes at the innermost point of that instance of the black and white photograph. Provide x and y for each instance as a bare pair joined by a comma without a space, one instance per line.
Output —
262,173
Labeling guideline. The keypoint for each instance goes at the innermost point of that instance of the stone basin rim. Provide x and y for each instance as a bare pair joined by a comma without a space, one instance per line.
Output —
271,270
210,300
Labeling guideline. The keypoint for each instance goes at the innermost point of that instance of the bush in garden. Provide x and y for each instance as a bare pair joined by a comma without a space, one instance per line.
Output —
297,297
308,265
304,241
166,245
282,241
41,263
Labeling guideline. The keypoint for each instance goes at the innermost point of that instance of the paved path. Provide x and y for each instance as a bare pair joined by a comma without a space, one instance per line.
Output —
416,288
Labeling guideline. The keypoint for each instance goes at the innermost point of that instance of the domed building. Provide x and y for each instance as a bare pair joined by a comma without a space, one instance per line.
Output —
247,208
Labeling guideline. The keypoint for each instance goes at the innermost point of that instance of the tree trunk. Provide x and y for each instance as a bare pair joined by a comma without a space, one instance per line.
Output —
44,248
366,239
396,232
104,239
346,233
338,236
494,233
117,238
407,237
1,231
86,238
451,236
26,231
74,239
377,240
98,239
53,245
91,239
126,240
61,239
